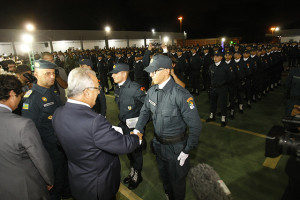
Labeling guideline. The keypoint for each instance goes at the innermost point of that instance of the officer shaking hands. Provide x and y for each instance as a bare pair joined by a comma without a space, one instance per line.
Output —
172,109
130,98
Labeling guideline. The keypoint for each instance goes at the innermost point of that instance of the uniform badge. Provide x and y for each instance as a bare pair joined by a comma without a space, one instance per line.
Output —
25,106
50,117
129,107
28,93
44,99
190,102
37,64
143,89
114,66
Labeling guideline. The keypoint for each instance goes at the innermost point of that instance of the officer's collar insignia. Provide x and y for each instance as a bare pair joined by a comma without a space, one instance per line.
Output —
50,117
28,93
44,99
37,64
129,107
114,66
190,102
25,106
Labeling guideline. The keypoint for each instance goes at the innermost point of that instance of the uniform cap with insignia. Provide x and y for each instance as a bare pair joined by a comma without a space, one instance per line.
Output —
119,67
218,53
43,64
228,52
87,62
157,62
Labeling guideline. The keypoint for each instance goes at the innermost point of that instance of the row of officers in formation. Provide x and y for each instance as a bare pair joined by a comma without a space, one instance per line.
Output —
228,76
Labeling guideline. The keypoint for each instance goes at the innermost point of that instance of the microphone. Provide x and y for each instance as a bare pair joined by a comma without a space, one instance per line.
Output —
207,184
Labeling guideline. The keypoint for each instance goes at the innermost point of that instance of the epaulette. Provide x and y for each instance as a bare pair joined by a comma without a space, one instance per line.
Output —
27,94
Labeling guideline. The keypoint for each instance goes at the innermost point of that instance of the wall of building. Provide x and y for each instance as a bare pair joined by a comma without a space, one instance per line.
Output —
290,39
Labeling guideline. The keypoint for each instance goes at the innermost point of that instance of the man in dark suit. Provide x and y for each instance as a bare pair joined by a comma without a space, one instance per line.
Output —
90,142
26,168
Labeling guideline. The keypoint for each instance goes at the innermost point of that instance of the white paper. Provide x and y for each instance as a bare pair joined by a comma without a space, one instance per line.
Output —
119,129
131,123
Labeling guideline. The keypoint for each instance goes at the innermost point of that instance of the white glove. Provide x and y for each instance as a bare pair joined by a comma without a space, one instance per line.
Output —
182,157
135,131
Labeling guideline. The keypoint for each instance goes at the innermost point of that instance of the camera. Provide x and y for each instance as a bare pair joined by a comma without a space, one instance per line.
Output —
29,77
284,139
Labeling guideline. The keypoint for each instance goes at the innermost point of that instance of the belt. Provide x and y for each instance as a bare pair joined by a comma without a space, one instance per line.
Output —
170,139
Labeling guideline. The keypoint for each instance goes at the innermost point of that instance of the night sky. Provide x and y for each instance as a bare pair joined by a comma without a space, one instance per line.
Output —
201,19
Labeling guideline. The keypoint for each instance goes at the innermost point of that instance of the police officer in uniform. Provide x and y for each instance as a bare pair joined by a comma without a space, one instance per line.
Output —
195,70
172,109
39,104
219,76
130,98
102,71
231,83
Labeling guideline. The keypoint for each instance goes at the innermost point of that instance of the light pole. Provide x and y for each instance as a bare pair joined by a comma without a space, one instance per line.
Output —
28,39
107,31
180,21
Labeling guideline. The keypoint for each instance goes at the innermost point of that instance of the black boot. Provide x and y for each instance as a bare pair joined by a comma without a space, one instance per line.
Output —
129,177
135,181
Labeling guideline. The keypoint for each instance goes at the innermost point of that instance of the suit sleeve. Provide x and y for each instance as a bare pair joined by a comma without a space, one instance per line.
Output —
33,145
191,117
107,139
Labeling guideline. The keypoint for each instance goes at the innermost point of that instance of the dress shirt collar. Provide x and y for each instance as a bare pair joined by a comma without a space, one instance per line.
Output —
78,102
162,85
5,106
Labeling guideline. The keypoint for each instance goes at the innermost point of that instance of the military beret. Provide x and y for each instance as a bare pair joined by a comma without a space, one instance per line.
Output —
119,67
159,61
87,62
43,64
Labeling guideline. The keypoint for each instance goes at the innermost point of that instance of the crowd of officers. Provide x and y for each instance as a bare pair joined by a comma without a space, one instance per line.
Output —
250,72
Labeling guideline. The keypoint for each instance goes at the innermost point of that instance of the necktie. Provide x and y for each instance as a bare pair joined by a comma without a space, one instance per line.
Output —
159,95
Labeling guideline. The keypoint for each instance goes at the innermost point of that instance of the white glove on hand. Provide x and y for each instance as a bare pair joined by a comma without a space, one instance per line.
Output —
182,157
135,131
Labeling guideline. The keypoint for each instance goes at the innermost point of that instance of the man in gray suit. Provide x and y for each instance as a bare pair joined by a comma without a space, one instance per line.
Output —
25,166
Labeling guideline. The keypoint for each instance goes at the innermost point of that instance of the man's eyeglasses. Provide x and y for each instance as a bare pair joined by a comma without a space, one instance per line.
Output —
157,70
96,88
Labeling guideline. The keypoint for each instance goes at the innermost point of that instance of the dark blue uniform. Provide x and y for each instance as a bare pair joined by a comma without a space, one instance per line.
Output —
130,98
39,104
173,110
219,76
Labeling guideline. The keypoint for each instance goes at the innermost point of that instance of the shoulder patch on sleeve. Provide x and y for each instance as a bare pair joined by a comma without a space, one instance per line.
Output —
143,89
28,93
190,101
25,106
